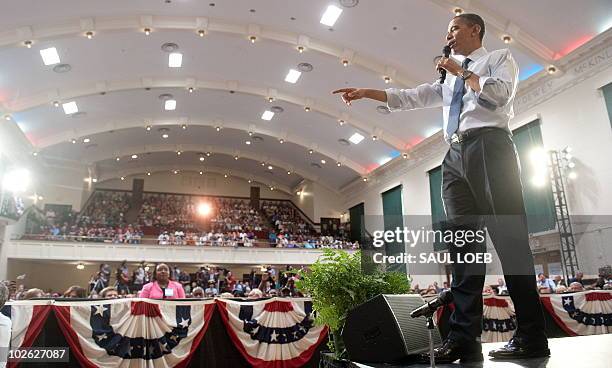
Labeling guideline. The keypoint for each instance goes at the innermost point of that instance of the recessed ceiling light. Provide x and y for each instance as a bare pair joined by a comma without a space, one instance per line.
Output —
405,155
305,67
300,49
293,76
374,138
7,117
34,153
27,44
201,172
356,138
175,60
149,174
218,128
202,33
250,134
345,62
56,103
310,151
190,89
252,39
341,122
202,158
147,31
551,69
263,163
225,175
70,107
276,109
50,56
208,154
148,128
123,178
236,158
165,136
267,115
134,156
331,15
89,34
179,153
86,140
73,141
458,11
307,108
118,159
95,180
62,68
175,171
247,142
507,39
270,167
184,126
387,79
281,141
338,163
365,179
250,180
170,105
323,161
288,172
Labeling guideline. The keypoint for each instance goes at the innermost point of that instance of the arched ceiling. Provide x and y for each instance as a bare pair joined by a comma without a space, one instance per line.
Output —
116,78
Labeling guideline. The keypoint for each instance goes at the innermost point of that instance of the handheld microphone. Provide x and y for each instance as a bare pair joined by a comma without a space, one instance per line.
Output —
445,297
446,50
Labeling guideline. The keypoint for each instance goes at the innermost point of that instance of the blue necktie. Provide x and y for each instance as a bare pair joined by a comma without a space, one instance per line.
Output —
456,102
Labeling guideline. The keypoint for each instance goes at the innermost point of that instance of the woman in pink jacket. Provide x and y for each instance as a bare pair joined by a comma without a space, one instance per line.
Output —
162,287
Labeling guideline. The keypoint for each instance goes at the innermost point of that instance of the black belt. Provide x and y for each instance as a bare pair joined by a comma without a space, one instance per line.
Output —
462,137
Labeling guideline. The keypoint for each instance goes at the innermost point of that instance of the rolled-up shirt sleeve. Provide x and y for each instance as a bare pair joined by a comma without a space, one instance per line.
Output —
497,89
425,95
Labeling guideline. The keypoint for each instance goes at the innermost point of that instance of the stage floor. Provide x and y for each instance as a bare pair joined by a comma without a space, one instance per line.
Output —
567,352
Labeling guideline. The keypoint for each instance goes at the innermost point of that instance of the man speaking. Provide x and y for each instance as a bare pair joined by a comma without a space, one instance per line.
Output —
481,185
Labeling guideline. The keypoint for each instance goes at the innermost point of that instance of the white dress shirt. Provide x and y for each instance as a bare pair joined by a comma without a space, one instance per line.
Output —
491,107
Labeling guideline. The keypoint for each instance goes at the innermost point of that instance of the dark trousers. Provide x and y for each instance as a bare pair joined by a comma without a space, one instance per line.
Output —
481,187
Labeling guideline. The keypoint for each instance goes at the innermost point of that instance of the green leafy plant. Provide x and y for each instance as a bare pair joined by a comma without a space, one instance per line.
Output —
337,283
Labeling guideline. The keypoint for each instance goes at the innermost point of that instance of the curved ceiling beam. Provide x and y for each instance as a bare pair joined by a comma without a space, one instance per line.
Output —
196,169
139,150
82,132
49,97
77,27
503,26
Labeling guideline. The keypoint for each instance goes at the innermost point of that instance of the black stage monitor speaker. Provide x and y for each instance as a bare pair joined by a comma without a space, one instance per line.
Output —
382,331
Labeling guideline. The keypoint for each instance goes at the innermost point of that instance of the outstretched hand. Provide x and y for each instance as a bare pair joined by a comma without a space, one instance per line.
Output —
350,94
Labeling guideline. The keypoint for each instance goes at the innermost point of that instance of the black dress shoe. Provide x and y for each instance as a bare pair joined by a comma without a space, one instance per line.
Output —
518,348
452,350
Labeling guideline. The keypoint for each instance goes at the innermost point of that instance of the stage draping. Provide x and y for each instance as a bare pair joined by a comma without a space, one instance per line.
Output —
582,313
275,332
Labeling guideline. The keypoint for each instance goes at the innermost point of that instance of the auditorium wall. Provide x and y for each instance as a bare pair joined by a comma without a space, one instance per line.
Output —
193,183
572,112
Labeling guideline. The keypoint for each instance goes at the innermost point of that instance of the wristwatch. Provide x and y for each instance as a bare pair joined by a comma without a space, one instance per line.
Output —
465,74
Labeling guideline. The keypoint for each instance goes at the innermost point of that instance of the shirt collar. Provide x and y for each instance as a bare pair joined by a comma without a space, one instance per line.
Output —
478,53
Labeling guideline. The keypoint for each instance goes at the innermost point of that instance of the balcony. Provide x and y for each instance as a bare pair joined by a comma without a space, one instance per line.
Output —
108,252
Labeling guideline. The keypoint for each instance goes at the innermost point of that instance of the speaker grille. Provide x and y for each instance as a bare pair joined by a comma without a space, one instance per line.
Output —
414,332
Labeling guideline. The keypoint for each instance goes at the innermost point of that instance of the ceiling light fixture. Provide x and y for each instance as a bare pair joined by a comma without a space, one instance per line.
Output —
175,172
405,155
270,99
288,172
252,39
507,39
323,161
184,126
178,153
7,117
218,128
147,31
134,156
387,79
338,163
27,44
365,179
122,178
267,115
299,192
341,122
56,103
202,158
201,33
149,173
165,136
70,108
345,62
236,158
118,158
250,134
458,11
190,89
201,172
89,34
225,175
331,15
300,49
86,140
73,141
247,142
175,60
50,56
208,154
310,151
148,128
281,141
263,163
250,181
80,266
374,138
551,69
307,108
270,167
293,76
356,138
170,105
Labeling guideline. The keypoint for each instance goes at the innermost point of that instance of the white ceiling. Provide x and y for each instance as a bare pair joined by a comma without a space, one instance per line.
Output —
116,77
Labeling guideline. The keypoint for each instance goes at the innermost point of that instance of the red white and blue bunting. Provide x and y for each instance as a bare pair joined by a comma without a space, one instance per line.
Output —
27,320
275,333
134,332
584,313
498,319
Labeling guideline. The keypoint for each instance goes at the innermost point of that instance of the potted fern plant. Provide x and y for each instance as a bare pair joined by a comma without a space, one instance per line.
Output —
337,283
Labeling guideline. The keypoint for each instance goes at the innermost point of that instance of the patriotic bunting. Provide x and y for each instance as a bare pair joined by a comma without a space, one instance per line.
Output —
274,333
134,332
584,313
